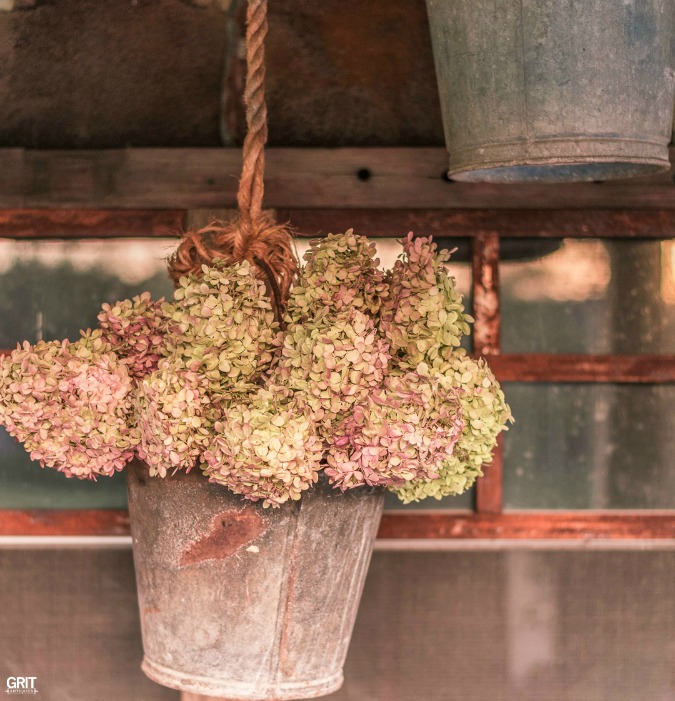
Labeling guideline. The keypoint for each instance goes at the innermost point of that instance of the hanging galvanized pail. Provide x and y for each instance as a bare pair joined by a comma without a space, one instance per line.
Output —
554,90
242,602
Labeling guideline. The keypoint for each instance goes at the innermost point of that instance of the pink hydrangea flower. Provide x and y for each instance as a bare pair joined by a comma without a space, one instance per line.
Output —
69,406
135,329
402,433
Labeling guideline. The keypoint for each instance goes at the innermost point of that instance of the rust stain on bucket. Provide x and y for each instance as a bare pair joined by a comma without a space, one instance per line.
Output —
229,531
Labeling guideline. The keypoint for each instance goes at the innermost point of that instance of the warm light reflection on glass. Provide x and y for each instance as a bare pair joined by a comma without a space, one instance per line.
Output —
668,271
579,270
131,260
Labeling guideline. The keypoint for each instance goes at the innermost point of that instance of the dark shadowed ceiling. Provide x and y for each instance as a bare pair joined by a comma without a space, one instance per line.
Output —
112,73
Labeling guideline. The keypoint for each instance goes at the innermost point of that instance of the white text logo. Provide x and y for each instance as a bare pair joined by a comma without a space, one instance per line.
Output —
21,685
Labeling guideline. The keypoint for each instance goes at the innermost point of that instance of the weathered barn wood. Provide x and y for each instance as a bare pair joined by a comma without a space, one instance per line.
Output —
295,178
376,223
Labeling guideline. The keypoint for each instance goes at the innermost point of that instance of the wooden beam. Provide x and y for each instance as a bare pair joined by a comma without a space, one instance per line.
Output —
571,525
304,178
78,222
486,341
548,367
90,223
467,223
64,522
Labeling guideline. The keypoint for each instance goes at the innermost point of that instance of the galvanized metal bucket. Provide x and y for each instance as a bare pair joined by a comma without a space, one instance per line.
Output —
554,90
242,602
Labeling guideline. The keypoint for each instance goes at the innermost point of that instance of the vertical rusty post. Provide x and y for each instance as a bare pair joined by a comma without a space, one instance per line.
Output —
486,341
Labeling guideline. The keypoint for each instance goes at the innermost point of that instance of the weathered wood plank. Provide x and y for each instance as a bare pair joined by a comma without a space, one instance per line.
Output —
90,223
75,222
304,178
569,525
508,223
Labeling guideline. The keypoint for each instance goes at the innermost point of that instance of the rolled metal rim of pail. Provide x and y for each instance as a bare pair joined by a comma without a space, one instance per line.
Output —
224,689
559,160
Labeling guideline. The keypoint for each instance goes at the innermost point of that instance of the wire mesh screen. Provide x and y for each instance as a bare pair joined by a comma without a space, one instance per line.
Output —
564,626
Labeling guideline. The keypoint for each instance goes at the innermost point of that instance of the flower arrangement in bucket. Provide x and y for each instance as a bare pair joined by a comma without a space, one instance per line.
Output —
260,415
366,384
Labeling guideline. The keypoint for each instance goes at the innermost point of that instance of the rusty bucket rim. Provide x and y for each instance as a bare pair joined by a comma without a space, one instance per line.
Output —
212,686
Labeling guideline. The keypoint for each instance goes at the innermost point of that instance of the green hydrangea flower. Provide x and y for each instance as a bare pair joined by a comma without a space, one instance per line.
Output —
485,415
341,273
222,326
266,448
334,363
423,316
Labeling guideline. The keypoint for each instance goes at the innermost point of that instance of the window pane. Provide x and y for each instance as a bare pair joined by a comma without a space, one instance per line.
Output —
588,296
578,446
52,289
25,485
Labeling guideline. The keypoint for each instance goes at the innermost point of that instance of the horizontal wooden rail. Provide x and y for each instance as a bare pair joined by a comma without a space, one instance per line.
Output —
411,525
554,367
536,525
90,223
77,223
191,178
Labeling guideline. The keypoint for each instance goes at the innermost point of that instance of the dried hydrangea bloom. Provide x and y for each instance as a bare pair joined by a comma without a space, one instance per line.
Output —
171,415
334,363
423,317
340,273
265,448
403,433
135,328
222,326
69,405
485,414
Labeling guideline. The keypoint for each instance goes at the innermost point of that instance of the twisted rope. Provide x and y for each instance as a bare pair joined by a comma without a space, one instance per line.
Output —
253,236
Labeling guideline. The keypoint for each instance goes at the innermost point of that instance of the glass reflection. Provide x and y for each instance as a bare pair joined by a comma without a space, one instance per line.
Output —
582,446
591,296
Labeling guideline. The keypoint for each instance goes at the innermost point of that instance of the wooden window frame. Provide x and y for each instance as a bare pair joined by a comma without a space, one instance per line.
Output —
60,195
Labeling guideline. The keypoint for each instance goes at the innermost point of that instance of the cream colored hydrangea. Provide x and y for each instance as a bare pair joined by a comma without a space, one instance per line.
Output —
135,329
172,415
340,274
266,448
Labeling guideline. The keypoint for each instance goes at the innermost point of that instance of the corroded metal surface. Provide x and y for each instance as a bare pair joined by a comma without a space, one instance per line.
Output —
243,602
550,91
